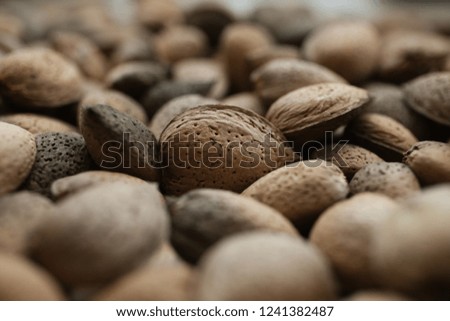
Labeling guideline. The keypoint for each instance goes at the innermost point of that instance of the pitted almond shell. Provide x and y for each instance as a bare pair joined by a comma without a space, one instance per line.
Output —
247,100
39,77
301,190
246,147
308,112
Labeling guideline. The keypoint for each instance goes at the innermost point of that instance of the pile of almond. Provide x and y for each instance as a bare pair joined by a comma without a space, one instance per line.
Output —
176,153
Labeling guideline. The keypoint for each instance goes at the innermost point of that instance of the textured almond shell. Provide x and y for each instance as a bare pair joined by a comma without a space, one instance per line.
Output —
430,161
306,113
225,128
429,95
17,155
301,190
281,76
38,124
38,77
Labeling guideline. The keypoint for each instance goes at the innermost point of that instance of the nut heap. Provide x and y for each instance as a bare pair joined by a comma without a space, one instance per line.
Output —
181,153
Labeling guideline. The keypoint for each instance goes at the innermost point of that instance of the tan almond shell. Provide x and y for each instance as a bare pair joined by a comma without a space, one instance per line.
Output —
429,95
349,158
102,232
264,266
377,295
39,77
395,180
69,185
308,112
261,56
21,213
349,48
156,14
82,51
406,54
221,129
17,156
247,100
281,76
410,250
301,190
237,41
382,135
22,280
345,233
38,124
119,142
430,161
151,284
174,107
116,100
202,217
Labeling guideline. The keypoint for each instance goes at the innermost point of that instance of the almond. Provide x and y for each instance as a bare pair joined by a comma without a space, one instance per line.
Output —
38,77
202,217
430,161
156,14
102,232
247,100
382,135
345,233
229,148
281,76
264,266
395,180
38,124
306,113
349,48
263,55
17,155
301,191
429,95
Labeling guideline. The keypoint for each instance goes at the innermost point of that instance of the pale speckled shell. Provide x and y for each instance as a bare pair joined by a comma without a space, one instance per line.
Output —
202,217
306,113
345,233
349,158
17,155
174,107
38,124
406,54
381,134
72,184
430,161
20,214
281,76
395,180
429,95
119,142
301,190
102,232
151,284
264,266
22,280
38,77
411,249
116,100
349,48
223,127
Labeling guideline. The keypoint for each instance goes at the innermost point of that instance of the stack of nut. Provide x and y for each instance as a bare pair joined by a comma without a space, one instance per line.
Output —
194,155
